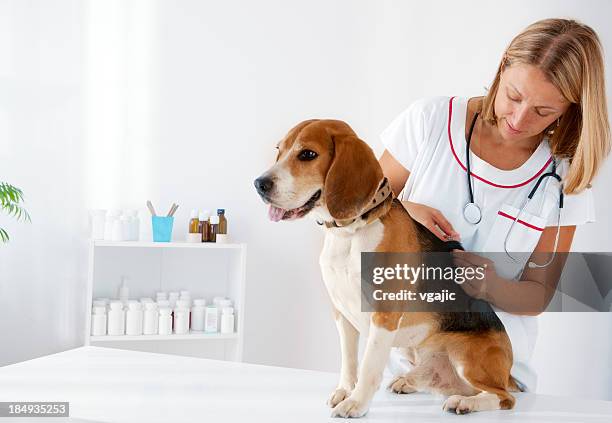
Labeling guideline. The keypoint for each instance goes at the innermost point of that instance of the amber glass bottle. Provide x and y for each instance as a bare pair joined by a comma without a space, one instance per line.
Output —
222,221
214,228
204,226
193,222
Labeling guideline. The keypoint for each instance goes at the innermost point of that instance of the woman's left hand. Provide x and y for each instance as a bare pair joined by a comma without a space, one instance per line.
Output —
479,288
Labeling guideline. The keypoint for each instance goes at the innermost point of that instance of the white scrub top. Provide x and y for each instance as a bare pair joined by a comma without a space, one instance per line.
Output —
428,139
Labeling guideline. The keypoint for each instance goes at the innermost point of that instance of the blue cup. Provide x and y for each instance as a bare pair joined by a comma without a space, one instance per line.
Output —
162,228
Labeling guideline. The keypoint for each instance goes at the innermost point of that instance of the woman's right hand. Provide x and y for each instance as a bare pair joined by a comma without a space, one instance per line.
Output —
429,217
432,219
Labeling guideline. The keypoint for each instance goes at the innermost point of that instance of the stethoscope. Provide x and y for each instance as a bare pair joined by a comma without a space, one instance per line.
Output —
473,214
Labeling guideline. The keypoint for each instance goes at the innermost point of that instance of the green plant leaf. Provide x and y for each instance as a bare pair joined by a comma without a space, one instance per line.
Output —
10,197
4,236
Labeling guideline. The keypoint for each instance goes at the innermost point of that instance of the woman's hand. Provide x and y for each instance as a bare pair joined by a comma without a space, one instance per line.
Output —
478,287
432,219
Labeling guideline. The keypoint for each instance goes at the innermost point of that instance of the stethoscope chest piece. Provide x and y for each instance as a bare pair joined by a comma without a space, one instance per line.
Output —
472,213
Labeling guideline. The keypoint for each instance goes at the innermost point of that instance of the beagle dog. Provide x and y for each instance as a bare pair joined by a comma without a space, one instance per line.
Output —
324,171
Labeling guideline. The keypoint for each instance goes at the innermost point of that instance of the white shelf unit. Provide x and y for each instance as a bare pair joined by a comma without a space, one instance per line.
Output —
204,269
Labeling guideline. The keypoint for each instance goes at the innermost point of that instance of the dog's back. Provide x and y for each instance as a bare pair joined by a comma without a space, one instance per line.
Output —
481,316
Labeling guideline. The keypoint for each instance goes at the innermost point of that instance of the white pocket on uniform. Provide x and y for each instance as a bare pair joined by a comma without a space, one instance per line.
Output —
518,239
524,235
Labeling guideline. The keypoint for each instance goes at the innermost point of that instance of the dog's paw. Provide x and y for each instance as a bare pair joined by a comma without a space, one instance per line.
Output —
400,385
337,396
459,404
350,407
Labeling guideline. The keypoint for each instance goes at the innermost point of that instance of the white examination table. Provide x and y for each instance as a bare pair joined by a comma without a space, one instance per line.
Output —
111,385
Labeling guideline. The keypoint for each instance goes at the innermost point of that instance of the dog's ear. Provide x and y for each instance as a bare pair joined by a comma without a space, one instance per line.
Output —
352,178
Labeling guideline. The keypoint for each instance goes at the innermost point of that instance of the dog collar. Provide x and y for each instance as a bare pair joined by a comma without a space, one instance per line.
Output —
383,192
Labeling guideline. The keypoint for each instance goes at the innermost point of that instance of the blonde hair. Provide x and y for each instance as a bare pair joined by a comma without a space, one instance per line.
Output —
569,53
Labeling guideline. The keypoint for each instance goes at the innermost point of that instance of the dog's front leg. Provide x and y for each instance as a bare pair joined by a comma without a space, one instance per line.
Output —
383,327
349,347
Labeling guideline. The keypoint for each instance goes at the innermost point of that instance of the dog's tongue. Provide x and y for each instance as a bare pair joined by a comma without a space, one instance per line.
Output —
275,213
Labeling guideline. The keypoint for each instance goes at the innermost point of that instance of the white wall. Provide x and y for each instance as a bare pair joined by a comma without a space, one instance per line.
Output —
184,101
41,148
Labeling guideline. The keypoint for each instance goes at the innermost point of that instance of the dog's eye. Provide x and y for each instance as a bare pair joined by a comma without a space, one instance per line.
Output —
307,155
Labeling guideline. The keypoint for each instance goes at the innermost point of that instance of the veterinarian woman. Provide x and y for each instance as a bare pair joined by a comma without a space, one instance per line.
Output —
545,112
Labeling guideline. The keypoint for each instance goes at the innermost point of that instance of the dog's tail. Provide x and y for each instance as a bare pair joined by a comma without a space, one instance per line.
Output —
453,245
513,385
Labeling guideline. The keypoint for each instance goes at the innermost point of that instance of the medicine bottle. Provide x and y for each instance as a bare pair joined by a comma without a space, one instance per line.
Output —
186,298
165,321
222,221
134,224
211,324
214,228
184,303
117,232
198,313
133,318
110,223
205,226
150,320
221,303
181,318
126,227
116,318
193,222
227,320
98,320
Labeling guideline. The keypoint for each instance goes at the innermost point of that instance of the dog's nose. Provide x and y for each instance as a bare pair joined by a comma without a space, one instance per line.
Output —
264,185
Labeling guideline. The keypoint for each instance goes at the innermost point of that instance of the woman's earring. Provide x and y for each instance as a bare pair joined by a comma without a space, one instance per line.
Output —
551,128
